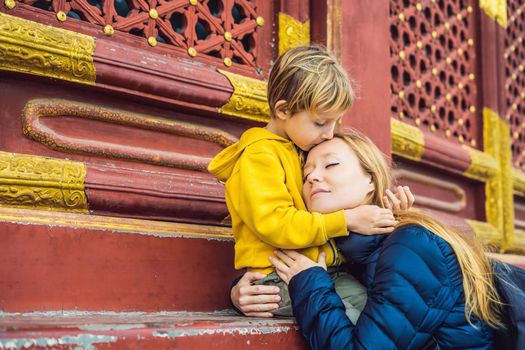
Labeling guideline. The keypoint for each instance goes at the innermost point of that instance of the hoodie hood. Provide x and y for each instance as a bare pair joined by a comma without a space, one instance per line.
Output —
222,165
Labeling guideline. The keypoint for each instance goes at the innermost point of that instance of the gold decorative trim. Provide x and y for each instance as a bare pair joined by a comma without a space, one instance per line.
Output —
292,33
407,140
485,232
518,182
482,166
519,239
126,225
249,99
499,197
36,182
495,9
33,48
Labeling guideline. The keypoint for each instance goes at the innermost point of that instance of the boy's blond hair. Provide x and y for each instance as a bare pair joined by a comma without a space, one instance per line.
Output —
309,78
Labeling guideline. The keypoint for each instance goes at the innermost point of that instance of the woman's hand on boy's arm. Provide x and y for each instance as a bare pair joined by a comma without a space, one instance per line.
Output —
403,199
289,263
370,220
254,300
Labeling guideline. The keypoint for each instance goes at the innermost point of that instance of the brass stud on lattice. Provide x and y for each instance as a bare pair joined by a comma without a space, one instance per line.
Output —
61,16
459,16
448,97
152,41
433,128
512,48
260,21
193,2
192,52
448,133
227,61
10,4
401,17
515,135
522,125
460,86
435,71
520,68
153,14
433,108
514,106
419,45
472,109
514,76
402,55
418,121
460,51
401,95
471,76
473,143
419,84
447,26
470,42
469,9
448,60
419,7
401,115
434,34
461,139
522,95
460,121
108,30
228,36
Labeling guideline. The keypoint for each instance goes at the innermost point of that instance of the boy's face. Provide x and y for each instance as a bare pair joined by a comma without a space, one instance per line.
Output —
307,130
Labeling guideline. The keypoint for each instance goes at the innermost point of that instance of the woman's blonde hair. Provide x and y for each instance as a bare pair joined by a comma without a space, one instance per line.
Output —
309,78
481,296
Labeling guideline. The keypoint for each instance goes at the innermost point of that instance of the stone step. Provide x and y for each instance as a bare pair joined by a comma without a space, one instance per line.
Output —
137,330
69,261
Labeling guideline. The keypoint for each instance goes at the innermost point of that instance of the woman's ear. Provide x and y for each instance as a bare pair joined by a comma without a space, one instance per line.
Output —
281,110
371,186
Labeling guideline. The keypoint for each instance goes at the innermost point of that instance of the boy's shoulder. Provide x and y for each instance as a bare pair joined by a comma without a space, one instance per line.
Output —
258,140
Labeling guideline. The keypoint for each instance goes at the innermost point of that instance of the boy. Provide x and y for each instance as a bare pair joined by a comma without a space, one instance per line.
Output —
308,92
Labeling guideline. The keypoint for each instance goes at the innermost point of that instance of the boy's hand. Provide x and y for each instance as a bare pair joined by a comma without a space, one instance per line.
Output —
255,300
403,199
370,220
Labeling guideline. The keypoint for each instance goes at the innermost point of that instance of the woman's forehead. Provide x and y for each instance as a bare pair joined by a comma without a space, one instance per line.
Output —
333,147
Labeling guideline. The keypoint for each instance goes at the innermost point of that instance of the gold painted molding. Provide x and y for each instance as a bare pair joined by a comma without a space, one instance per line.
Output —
107,223
292,33
499,204
36,182
249,99
482,166
495,9
518,181
485,232
33,48
407,140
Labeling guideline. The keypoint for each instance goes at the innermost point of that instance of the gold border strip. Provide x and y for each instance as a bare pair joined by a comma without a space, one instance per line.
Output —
115,224
485,232
248,100
292,33
495,9
36,182
407,140
33,48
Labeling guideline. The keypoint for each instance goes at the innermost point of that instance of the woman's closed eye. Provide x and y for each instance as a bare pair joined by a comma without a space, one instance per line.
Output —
331,165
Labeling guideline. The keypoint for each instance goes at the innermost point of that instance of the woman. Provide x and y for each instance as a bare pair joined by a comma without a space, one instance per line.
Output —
424,281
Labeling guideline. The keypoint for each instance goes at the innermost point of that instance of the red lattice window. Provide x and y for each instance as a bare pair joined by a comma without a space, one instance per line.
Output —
432,66
515,79
224,30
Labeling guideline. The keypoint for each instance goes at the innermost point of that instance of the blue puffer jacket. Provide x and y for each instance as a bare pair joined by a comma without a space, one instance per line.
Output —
415,293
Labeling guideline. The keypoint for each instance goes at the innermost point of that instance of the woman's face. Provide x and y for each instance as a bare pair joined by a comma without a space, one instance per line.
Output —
334,178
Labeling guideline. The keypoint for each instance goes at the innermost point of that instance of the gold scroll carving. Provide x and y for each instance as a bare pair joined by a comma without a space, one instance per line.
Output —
407,140
248,100
292,33
33,48
36,182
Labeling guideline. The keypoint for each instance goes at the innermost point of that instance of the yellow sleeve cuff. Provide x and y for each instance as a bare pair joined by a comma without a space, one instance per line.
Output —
335,224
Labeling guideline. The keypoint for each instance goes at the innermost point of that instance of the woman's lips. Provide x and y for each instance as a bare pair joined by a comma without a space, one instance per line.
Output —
317,191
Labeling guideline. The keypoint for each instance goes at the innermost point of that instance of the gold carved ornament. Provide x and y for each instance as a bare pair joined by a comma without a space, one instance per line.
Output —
292,33
249,99
483,166
407,140
495,9
35,182
33,48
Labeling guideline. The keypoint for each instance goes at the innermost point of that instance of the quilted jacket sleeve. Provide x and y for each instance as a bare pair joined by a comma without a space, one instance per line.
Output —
408,298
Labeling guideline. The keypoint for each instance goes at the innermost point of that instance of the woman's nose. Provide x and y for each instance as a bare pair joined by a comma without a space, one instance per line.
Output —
314,176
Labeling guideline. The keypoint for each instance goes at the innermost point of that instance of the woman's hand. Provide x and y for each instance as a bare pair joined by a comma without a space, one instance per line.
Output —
291,263
255,300
403,199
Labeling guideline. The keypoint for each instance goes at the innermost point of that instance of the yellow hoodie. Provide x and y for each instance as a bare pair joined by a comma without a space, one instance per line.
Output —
263,178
